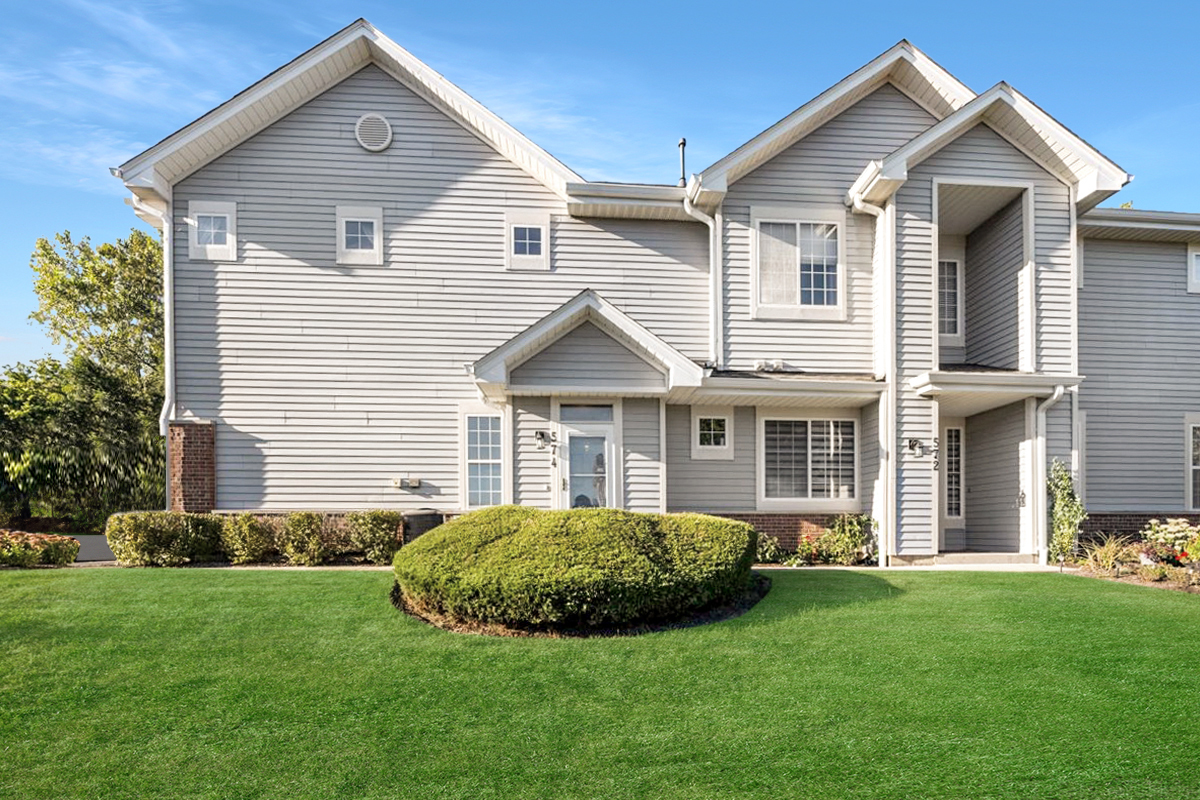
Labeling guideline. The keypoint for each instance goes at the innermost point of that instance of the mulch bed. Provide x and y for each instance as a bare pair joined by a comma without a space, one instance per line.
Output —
756,590
1136,580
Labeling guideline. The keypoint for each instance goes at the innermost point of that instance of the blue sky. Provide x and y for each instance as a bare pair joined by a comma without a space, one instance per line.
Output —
607,87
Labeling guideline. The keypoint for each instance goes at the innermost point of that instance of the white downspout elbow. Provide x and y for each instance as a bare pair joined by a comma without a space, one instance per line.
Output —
1040,504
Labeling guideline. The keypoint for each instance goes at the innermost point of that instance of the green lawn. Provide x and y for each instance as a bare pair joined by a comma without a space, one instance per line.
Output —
289,684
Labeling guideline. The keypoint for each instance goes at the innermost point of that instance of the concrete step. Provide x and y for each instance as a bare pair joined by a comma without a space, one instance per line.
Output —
965,559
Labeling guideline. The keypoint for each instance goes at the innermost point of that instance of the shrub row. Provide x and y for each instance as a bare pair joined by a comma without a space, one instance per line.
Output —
19,549
520,566
173,538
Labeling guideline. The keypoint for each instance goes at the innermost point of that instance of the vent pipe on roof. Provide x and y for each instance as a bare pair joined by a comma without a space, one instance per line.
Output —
682,167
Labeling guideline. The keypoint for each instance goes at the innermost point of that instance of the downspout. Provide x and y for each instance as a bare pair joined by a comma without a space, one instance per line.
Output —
714,341
1039,480
887,423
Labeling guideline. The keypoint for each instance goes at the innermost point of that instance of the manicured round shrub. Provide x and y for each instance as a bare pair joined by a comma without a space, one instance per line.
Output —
246,539
585,567
376,534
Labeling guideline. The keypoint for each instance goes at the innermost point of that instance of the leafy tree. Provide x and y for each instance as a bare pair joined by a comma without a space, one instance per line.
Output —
79,438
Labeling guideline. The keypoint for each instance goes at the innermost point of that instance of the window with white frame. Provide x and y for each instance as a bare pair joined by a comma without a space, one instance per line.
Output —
712,432
1193,268
1193,473
360,235
484,460
808,459
798,271
950,299
954,474
527,240
212,230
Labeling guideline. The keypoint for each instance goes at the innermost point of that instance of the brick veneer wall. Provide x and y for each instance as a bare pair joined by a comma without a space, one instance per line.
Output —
191,450
1125,524
789,529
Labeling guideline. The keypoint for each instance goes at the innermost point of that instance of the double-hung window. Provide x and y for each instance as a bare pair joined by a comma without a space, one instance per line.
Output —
484,460
1193,269
1193,462
808,462
212,231
798,265
360,235
950,298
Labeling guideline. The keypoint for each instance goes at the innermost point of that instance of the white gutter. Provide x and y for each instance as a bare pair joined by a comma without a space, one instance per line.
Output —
1039,480
714,283
887,422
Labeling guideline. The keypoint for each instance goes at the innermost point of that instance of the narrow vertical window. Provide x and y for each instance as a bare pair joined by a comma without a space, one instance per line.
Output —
485,475
1193,269
949,298
953,462
1195,470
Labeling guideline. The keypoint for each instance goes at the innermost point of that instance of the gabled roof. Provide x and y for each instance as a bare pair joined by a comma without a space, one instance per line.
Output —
150,173
903,65
491,372
1027,126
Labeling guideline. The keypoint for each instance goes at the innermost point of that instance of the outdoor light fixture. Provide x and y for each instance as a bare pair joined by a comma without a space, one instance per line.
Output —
916,447
543,438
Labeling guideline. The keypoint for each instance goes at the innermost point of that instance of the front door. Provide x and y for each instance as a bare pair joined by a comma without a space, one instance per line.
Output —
586,457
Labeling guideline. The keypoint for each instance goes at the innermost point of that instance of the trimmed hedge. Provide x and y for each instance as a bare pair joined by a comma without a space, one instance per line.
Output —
376,534
304,540
164,538
20,549
585,567
246,539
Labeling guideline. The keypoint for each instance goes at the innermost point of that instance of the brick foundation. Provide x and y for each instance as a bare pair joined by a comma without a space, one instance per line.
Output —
191,453
1126,524
789,529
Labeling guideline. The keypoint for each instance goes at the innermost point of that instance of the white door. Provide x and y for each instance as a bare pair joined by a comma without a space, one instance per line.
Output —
587,458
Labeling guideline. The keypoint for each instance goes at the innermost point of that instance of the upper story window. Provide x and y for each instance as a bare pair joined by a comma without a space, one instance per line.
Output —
360,235
712,432
798,264
212,230
527,239
1193,267
950,299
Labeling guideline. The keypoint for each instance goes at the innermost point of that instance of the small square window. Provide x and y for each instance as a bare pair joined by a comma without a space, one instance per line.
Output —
712,432
360,234
212,229
527,241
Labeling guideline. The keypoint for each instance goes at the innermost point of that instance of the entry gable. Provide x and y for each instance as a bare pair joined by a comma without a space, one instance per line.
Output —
585,345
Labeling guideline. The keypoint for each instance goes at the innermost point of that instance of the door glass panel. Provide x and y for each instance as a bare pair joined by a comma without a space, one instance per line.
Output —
589,472
585,413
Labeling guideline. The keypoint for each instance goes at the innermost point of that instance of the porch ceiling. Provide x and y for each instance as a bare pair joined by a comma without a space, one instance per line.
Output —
964,394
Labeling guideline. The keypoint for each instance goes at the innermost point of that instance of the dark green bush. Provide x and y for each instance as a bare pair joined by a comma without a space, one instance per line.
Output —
305,540
520,566
377,534
246,539
164,538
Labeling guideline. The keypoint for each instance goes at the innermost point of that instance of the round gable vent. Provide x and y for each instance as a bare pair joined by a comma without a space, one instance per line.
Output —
373,132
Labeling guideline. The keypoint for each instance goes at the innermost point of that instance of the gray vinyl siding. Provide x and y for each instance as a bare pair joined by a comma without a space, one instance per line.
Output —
643,466
531,467
978,154
588,358
710,485
1139,346
814,173
327,381
995,254
869,457
992,478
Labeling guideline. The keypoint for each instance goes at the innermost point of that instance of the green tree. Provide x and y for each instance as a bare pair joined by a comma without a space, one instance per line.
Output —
79,438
